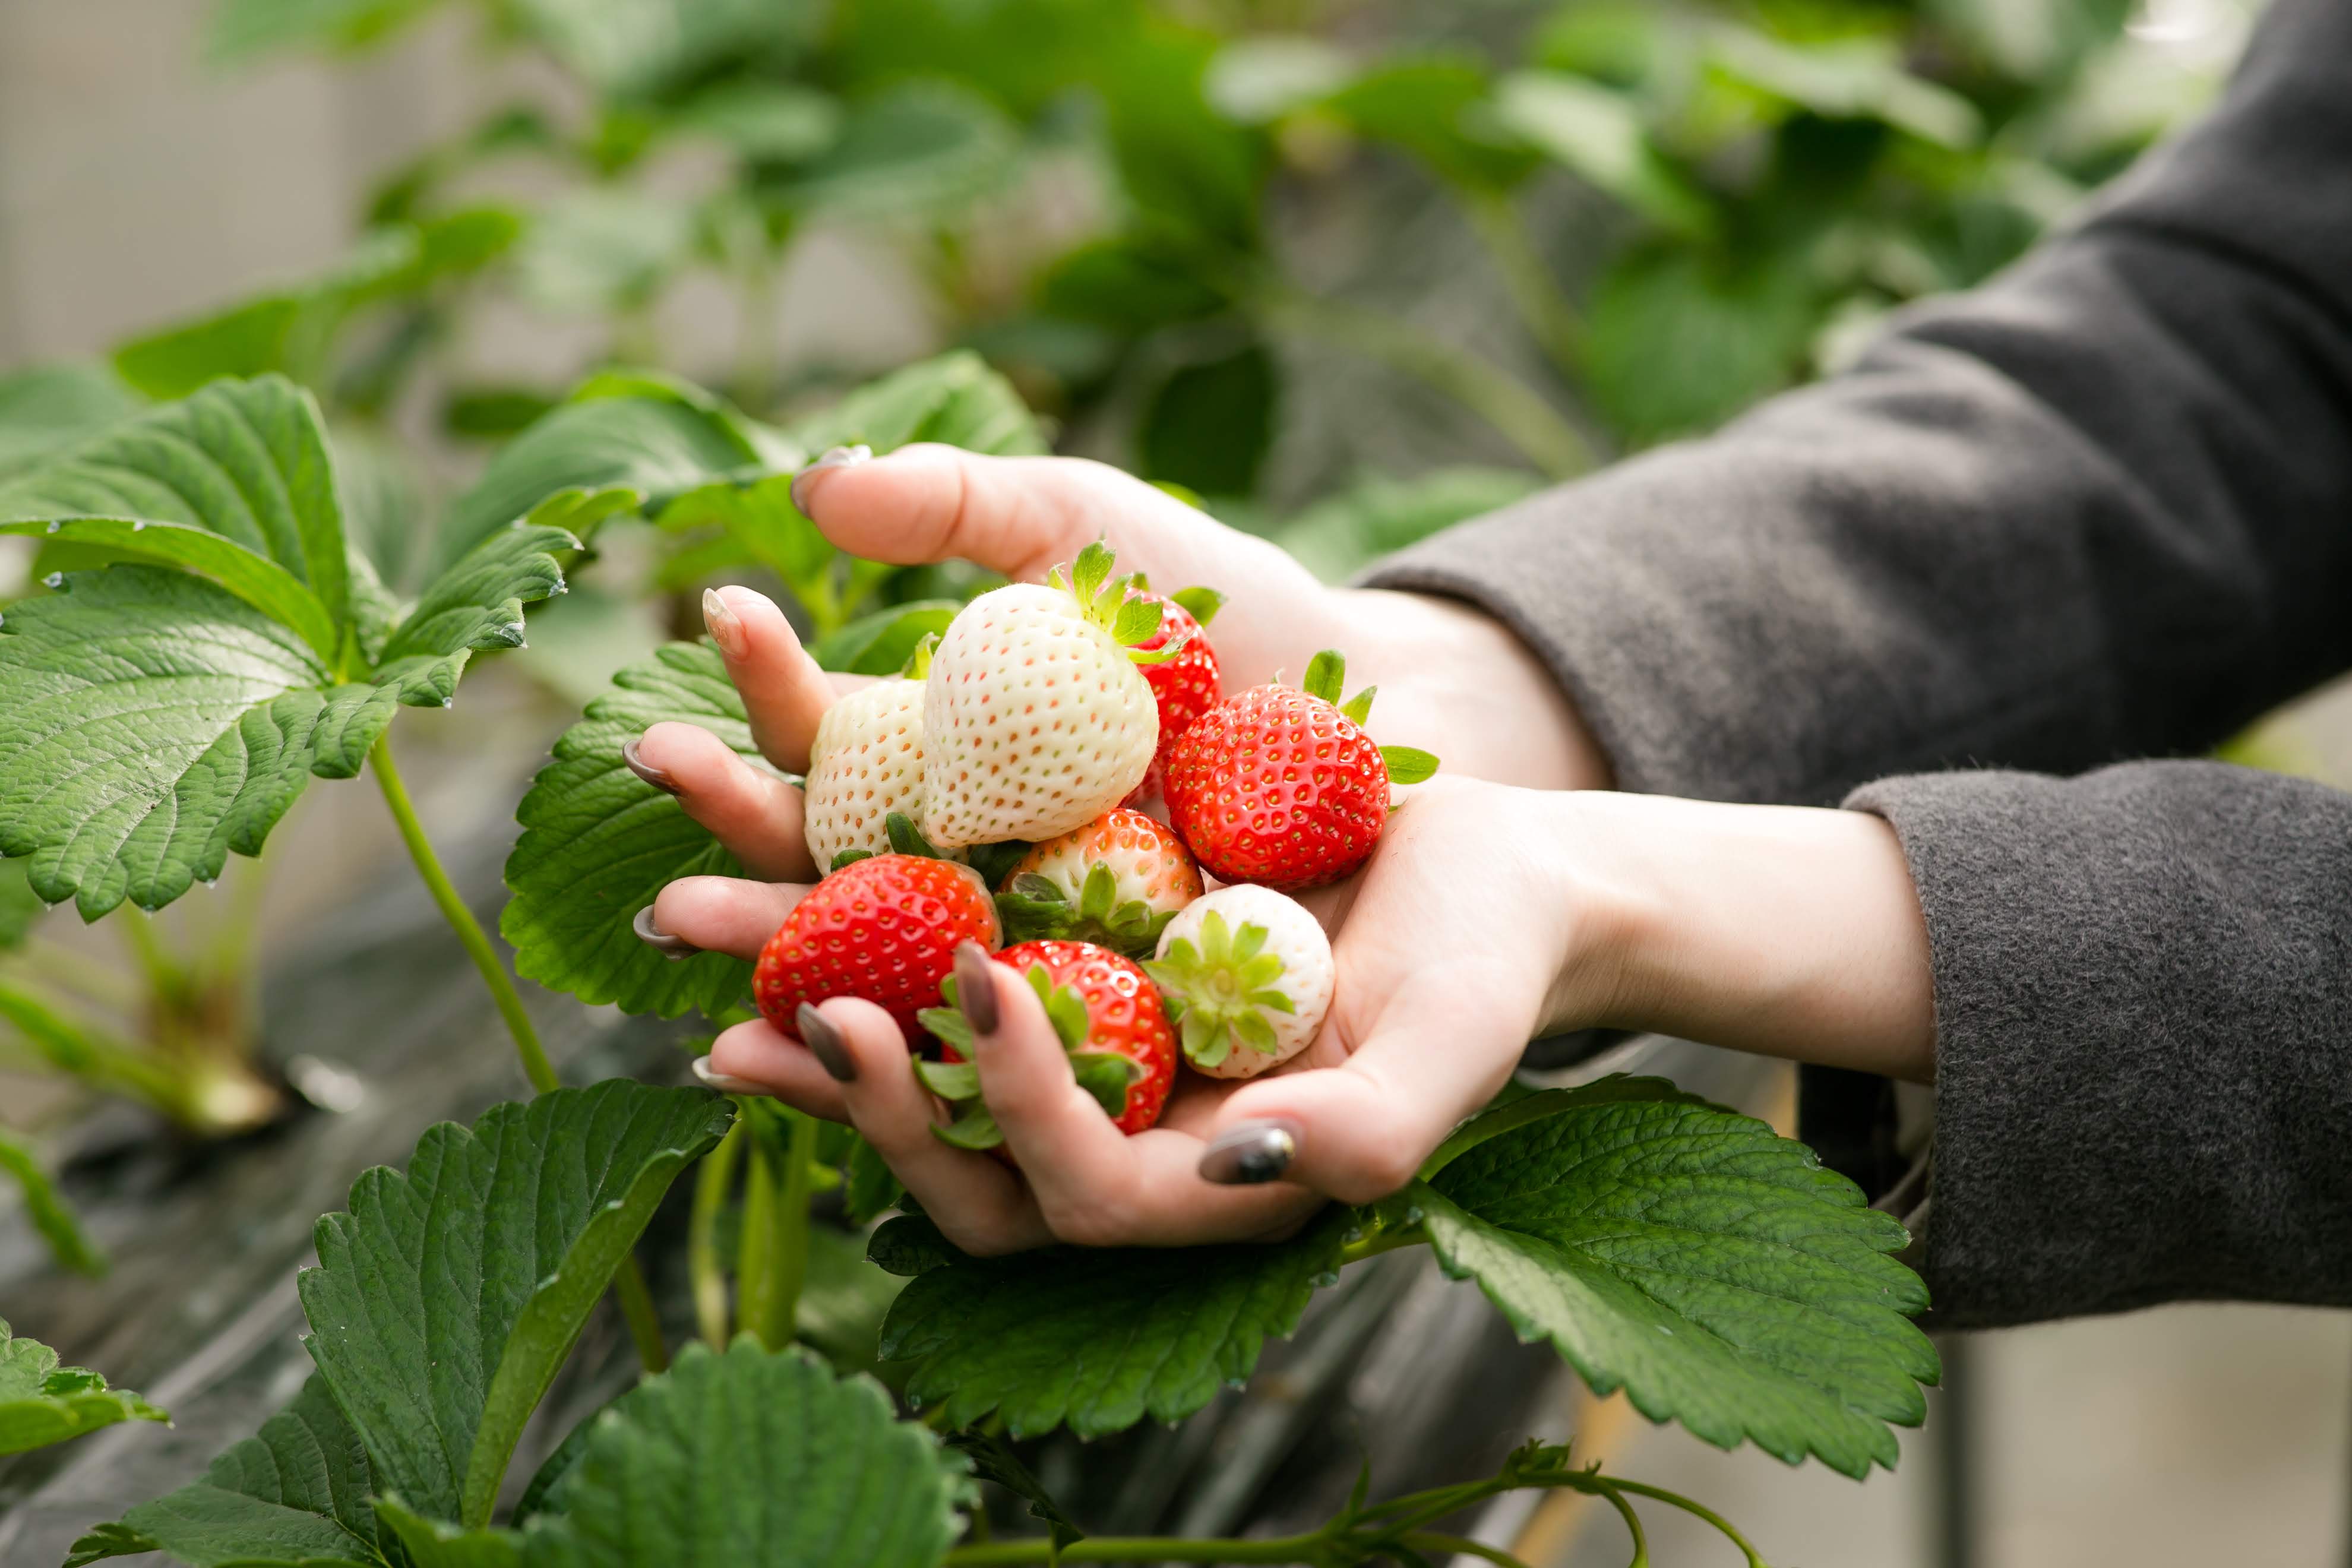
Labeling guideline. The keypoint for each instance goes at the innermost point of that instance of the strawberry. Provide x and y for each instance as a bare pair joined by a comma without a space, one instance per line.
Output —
1185,687
1247,975
1110,1019
884,927
866,762
1281,785
1119,880
1035,718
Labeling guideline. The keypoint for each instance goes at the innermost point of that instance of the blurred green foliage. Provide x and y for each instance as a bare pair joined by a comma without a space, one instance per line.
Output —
1686,204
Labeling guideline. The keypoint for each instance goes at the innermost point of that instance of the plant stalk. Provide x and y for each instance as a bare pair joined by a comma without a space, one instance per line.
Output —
535,1065
1141,1549
1527,280
755,1273
629,1280
1382,1241
712,1183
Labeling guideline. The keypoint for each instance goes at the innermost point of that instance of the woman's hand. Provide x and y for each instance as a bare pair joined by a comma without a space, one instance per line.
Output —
1454,948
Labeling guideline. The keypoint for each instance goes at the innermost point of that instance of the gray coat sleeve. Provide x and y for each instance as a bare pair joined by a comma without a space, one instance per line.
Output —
2100,510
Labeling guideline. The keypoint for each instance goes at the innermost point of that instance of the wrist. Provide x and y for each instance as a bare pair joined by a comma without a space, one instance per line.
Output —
1457,682
1792,932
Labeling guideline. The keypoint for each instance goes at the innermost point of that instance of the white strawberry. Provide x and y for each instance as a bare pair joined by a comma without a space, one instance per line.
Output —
1247,975
1116,882
866,764
1036,718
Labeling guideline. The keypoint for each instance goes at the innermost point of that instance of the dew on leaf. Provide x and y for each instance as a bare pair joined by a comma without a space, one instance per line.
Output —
54,580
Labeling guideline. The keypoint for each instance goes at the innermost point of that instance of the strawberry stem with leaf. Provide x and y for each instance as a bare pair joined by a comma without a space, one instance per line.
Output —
1219,992
1327,675
1103,601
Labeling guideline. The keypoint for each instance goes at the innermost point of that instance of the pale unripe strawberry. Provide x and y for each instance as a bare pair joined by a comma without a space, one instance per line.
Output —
1247,975
1036,718
866,762
1117,881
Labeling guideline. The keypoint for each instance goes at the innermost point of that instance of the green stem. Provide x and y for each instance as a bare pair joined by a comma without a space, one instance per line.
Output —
93,1057
57,965
755,1272
461,920
638,1311
1527,280
1514,408
1382,1241
1632,1525
792,1251
712,1183
1675,1499
1438,1540
165,975
629,1280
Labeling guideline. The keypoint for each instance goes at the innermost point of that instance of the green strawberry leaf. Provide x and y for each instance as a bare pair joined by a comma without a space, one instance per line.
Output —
1200,604
955,399
598,843
233,483
45,408
1690,1256
490,1250
1359,708
168,712
47,1209
294,1494
1407,766
1163,1328
869,1189
754,1459
992,1460
42,1403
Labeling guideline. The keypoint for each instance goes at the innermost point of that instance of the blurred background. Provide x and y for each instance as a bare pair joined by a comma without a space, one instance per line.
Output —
1347,272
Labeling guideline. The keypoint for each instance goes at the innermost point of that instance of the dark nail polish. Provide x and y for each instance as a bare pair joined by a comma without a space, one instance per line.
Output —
1249,1153
660,941
824,1042
975,975
645,769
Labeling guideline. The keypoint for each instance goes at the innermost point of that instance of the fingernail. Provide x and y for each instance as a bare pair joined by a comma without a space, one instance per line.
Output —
976,987
660,941
824,1042
834,458
1250,1153
725,1083
657,777
725,628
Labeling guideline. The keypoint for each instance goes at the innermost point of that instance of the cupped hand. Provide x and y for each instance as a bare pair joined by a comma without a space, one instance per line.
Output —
1453,949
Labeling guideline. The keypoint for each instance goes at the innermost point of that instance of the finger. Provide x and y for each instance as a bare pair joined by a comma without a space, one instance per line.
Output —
1020,516
1359,1131
1095,1185
758,816
785,692
977,1202
724,914
757,1053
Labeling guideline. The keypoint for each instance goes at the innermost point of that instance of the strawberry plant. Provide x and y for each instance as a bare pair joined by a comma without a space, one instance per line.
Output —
42,1403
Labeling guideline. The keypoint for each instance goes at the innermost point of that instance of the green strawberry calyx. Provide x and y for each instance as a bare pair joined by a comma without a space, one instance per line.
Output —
1103,1074
1103,601
1032,907
1327,675
1219,992
905,838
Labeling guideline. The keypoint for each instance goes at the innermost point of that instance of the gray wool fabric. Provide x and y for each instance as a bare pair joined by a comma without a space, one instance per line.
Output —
2098,511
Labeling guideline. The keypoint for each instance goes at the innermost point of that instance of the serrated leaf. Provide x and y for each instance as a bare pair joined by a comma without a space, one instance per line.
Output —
159,723
598,843
923,150
48,408
233,482
1164,1328
754,1460
295,1493
446,1298
50,1214
955,399
1690,1256
42,1403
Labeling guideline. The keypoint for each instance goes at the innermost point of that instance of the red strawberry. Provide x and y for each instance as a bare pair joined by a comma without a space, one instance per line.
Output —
1186,686
1110,1017
1281,785
884,927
